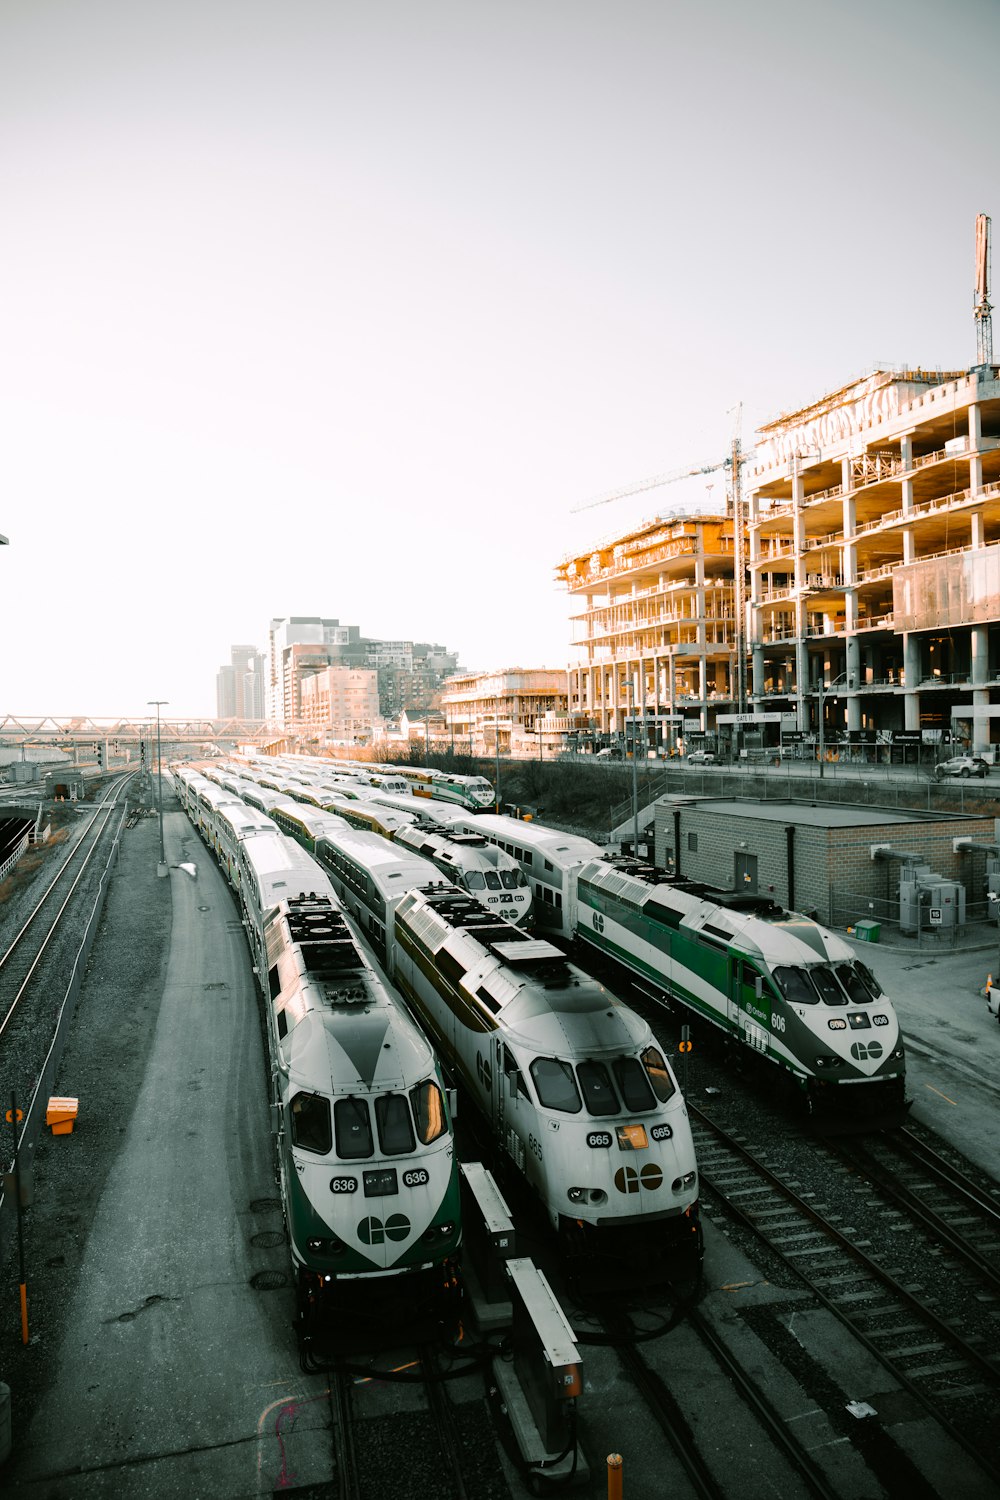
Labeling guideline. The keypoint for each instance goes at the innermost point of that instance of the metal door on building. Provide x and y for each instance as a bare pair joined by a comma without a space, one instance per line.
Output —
745,872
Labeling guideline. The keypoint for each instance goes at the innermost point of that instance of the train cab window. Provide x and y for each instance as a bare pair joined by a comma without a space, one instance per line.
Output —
555,1085
826,982
868,979
513,1074
474,880
510,880
395,1127
598,1090
428,1112
658,1074
796,986
492,880
311,1123
633,1084
353,1129
857,991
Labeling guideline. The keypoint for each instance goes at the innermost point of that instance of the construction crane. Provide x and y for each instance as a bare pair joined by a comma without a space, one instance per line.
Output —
983,310
733,463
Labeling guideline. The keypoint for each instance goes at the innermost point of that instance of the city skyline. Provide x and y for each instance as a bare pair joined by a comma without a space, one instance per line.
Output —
352,308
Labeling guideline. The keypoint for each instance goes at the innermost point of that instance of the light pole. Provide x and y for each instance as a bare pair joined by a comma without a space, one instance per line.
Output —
496,749
162,870
630,690
844,676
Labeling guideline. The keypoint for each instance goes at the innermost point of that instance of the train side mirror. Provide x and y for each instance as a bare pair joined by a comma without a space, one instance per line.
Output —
452,1102
758,987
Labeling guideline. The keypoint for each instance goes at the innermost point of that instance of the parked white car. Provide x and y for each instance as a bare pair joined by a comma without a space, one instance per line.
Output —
993,1001
962,765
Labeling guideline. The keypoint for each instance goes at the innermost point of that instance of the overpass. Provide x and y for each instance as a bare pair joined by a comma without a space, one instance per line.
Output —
77,732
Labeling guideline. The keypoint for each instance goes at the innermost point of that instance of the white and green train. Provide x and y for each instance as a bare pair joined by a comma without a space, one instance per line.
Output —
776,983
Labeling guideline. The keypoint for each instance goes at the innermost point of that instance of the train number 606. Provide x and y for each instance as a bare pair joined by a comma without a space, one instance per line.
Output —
777,1022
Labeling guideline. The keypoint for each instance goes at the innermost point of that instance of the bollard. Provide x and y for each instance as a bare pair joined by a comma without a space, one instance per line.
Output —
614,1476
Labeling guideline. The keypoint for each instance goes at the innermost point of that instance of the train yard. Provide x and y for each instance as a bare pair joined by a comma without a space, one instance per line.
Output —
748,1383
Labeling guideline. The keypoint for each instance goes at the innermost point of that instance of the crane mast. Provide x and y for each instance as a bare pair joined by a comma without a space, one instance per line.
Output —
983,309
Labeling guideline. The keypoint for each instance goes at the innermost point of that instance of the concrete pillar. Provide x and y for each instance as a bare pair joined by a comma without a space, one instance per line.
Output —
980,651
798,527
909,551
702,678
802,683
981,726
758,672
978,529
975,439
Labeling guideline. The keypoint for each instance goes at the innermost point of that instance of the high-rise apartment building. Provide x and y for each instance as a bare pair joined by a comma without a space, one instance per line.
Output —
303,645
341,704
240,691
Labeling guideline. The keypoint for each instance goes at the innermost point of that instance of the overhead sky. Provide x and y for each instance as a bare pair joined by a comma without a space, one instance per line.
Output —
341,307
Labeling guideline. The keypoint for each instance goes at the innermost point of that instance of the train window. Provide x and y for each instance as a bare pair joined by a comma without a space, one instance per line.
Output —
796,986
869,979
492,880
510,880
395,1127
854,984
598,1090
548,864
474,880
527,856
522,879
311,1123
555,1085
659,1074
428,1112
633,1084
825,981
353,1128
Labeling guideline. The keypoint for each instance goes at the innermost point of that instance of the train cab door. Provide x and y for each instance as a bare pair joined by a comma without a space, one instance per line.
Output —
735,993
512,1097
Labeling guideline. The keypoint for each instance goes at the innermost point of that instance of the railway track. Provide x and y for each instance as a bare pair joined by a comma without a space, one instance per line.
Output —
38,961
933,1345
400,1417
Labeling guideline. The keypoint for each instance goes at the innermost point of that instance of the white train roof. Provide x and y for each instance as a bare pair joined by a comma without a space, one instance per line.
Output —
783,938
563,849
392,868
284,870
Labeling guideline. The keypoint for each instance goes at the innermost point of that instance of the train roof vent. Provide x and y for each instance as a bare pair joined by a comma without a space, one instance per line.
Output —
526,951
346,992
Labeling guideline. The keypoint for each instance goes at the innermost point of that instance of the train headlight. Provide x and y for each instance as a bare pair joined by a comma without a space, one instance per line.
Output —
899,1052
319,1246
439,1231
576,1195
829,1062
679,1183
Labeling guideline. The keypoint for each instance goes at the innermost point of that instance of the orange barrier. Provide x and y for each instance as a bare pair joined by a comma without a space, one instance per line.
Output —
61,1114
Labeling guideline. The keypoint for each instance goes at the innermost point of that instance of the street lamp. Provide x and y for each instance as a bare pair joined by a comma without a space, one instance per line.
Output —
823,689
162,870
496,748
630,690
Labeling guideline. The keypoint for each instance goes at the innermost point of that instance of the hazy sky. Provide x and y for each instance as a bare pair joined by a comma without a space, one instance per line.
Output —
313,307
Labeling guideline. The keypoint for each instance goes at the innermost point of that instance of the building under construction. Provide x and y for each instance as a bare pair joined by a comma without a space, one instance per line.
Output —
860,596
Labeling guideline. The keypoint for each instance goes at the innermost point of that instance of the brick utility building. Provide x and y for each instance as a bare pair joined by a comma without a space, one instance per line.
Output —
815,856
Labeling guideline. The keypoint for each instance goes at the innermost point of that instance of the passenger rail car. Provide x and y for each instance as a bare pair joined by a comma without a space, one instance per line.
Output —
306,824
369,816
572,1083
489,874
548,858
371,875
472,792
365,1148
774,982
428,813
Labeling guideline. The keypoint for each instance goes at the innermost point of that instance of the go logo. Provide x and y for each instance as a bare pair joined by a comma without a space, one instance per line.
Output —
628,1180
598,922
374,1232
862,1051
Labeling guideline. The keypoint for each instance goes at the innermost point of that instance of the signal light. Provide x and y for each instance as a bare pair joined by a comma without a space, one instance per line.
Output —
100,755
